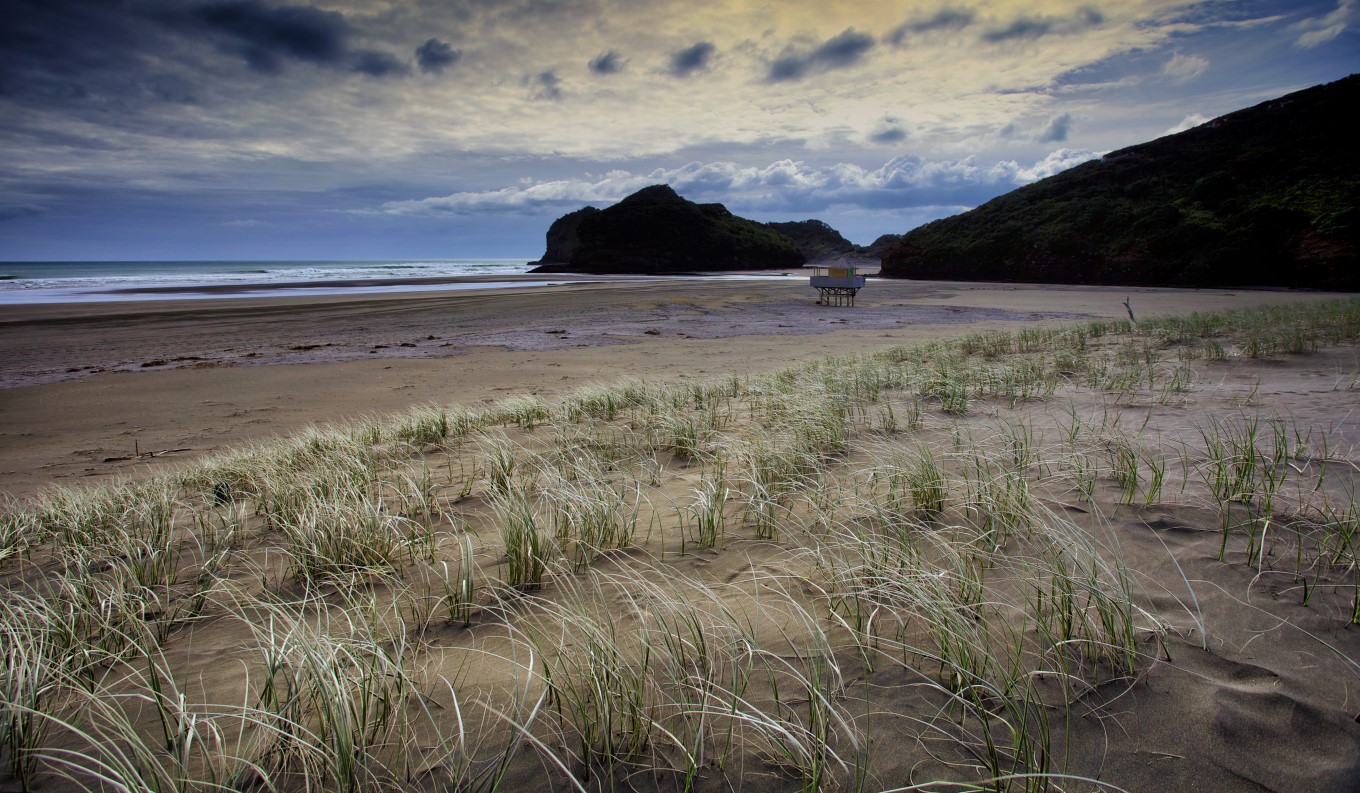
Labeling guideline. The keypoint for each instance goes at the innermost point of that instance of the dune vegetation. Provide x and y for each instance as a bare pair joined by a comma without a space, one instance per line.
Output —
948,566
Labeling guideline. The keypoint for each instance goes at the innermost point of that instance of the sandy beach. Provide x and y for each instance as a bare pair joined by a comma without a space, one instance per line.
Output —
407,396
86,389
847,575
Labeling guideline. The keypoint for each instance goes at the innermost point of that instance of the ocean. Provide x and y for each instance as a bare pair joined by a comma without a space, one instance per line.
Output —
87,282
67,282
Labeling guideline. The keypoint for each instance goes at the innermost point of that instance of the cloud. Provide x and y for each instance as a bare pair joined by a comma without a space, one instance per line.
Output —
1057,129
1033,27
785,186
171,88
1089,17
1189,122
606,63
545,85
888,129
533,197
944,19
1054,163
64,33
122,66
434,56
839,51
692,59
266,35
1320,30
16,211
376,63
1022,28
1184,68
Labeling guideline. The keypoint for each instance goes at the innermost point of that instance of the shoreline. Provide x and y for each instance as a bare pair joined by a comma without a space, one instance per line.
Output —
46,343
324,288
82,383
337,286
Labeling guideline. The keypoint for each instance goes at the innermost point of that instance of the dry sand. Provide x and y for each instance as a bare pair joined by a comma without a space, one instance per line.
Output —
91,390
1250,689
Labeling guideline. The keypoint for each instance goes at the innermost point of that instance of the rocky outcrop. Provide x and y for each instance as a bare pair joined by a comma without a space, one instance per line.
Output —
656,231
563,236
1267,196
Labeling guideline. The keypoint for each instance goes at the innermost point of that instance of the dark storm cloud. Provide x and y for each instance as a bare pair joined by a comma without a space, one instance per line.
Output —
944,19
888,130
265,36
1057,130
108,61
607,63
839,51
376,63
692,59
171,88
434,56
545,85
1022,28
1037,27
1089,16
268,36
56,51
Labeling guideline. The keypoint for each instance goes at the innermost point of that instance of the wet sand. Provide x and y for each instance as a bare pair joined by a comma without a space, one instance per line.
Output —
90,391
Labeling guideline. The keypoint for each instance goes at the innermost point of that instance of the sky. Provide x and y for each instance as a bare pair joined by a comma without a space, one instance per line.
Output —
406,129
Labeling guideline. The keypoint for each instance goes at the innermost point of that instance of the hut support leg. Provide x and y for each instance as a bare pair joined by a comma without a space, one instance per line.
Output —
836,295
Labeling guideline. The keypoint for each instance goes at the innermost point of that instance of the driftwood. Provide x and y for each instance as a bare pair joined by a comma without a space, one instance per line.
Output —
139,455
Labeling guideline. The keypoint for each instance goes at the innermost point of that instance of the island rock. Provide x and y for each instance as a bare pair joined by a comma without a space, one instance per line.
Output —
656,231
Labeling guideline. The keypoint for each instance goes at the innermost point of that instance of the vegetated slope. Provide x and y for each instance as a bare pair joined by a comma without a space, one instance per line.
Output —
656,231
815,238
1267,196
883,243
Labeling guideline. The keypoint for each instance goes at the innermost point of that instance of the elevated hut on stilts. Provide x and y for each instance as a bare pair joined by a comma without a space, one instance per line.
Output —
836,284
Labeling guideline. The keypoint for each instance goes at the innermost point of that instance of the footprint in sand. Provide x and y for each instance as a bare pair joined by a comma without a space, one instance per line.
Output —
1236,675
1254,717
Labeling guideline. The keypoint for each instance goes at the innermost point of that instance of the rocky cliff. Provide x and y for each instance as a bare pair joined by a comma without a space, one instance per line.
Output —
656,231
563,236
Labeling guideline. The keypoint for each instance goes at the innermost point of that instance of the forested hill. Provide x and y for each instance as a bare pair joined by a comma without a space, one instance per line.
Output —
1267,196
815,238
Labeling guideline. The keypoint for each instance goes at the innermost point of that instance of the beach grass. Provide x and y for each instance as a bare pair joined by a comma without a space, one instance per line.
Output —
680,584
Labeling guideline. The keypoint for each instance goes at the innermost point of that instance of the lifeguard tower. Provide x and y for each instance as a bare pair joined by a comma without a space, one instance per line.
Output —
836,284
